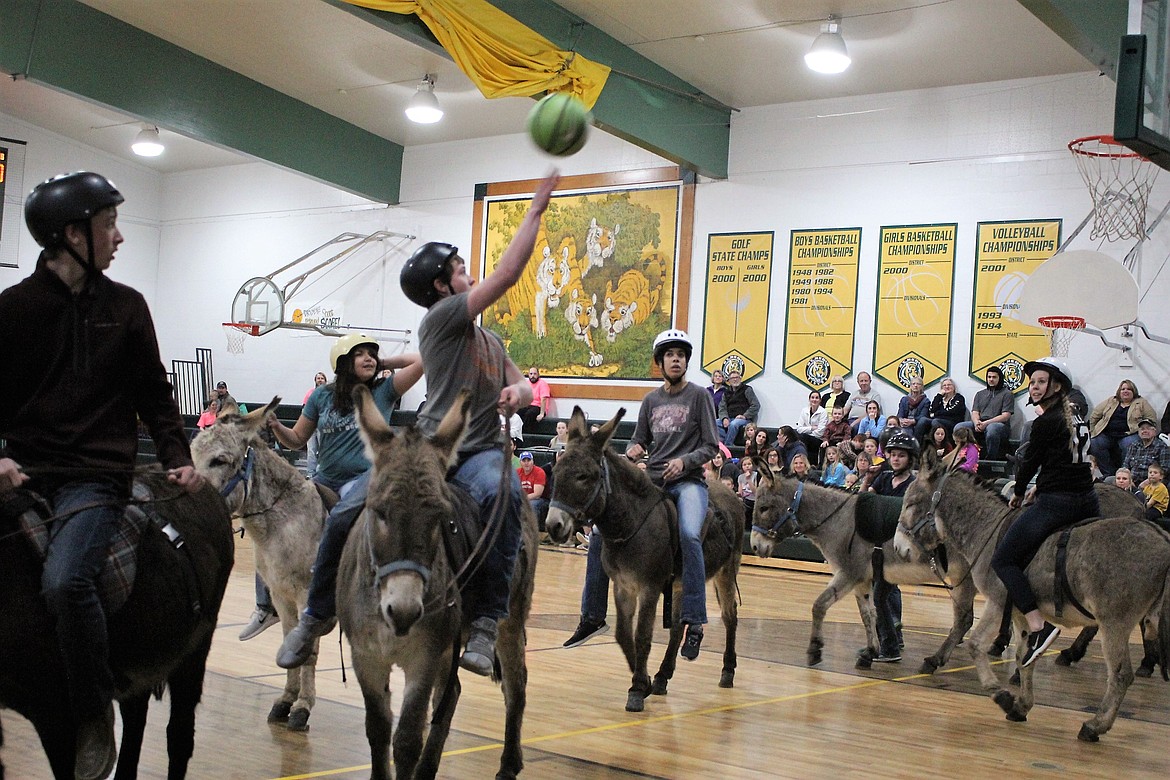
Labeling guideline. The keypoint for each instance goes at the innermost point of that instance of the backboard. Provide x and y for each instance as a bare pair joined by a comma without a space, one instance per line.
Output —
1142,107
1080,283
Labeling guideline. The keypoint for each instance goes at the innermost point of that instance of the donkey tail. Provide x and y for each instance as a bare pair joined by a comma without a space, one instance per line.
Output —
1164,628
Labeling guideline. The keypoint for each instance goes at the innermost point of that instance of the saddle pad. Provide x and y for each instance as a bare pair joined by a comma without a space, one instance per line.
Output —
116,578
461,532
877,517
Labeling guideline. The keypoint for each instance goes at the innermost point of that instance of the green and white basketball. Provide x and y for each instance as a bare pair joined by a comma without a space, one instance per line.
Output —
559,124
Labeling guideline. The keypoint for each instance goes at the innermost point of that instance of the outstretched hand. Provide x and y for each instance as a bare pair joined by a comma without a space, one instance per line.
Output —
11,477
544,191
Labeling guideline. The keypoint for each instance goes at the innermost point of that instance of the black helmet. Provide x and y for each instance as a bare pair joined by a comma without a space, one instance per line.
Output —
903,440
65,199
428,263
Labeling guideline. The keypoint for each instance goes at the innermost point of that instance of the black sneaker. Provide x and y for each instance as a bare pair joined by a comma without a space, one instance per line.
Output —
1039,641
586,630
887,658
691,642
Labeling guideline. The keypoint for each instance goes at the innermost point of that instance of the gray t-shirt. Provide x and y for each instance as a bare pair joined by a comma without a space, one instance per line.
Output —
457,354
858,400
679,426
992,403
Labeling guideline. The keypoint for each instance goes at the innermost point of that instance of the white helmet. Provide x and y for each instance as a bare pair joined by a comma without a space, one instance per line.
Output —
672,338
1056,367
348,343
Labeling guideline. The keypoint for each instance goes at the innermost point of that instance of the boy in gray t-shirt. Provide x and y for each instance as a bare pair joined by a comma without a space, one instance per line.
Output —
458,354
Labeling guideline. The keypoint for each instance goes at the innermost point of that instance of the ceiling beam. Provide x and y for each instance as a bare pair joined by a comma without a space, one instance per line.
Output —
70,47
642,102
1093,27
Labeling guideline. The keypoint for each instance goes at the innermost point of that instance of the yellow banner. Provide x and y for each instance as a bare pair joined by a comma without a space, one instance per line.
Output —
916,274
822,304
735,317
1006,254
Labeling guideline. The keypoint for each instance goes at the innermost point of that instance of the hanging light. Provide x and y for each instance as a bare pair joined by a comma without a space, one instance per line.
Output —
424,106
147,143
828,53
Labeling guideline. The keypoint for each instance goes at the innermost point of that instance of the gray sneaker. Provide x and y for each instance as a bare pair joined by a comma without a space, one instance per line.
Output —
262,620
298,645
480,655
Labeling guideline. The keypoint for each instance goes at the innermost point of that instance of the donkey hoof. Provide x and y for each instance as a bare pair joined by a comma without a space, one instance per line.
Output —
814,657
1016,717
1005,700
929,666
996,650
298,720
727,678
1086,734
635,702
1064,658
1015,678
659,686
279,712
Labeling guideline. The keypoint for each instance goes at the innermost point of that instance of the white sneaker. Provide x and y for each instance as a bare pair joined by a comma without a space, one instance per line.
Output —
262,620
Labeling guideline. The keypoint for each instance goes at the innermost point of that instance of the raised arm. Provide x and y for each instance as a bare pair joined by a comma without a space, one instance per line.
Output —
408,369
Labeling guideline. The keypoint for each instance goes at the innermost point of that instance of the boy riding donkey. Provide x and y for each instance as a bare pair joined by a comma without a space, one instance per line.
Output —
457,354
78,364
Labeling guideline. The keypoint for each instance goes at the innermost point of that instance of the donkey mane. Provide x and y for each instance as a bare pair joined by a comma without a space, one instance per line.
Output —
975,481
638,481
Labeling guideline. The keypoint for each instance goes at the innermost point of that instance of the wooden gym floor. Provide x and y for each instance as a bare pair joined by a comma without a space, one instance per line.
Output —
782,719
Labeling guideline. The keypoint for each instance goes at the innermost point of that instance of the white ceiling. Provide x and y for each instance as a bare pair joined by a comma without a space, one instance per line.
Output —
742,52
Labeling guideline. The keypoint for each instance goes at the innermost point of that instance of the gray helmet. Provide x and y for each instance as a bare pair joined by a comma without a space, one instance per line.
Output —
65,199
903,440
428,263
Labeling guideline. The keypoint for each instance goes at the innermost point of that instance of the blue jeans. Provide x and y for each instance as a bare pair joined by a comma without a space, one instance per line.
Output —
1050,513
322,602
1110,451
691,497
995,436
595,597
487,592
887,604
77,552
733,428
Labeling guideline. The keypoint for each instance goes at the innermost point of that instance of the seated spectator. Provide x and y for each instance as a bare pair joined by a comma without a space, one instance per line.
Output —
948,408
541,393
864,472
772,458
851,482
225,399
877,463
716,390
1113,426
914,410
1123,479
1146,450
836,431
749,433
738,407
965,456
725,466
788,443
532,482
941,441
991,414
834,470
757,444
860,400
748,480
800,467
561,440
1157,497
208,417
837,397
850,449
872,424
811,424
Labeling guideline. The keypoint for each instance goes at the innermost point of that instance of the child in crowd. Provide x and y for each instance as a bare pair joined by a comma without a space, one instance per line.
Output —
851,483
966,453
836,431
876,462
835,471
1123,478
941,439
747,487
1157,497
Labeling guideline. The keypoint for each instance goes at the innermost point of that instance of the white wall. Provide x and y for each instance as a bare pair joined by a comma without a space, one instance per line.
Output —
964,154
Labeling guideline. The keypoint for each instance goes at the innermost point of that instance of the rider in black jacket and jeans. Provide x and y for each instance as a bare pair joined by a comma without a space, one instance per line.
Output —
1059,449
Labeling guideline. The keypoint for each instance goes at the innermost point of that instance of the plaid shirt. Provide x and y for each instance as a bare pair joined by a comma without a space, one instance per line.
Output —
1139,457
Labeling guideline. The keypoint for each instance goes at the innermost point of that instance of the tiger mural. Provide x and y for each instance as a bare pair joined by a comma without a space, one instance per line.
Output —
582,316
541,286
634,298
599,246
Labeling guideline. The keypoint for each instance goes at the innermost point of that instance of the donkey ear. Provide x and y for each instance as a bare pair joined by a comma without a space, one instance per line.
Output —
578,425
453,426
605,433
256,419
372,426
229,409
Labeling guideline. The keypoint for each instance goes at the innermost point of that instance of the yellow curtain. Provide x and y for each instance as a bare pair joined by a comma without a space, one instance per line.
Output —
499,54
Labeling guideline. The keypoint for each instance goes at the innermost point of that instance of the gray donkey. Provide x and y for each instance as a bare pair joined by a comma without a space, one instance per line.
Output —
1118,572
398,594
637,521
284,514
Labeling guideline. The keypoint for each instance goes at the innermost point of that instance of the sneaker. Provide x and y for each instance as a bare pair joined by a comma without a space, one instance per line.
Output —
1039,641
298,645
691,642
480,654
582,541
888,658
262,620
96,750
586,630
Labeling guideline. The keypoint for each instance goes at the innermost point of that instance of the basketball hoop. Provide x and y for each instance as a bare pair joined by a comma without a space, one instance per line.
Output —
1060,330
237,334
1119,182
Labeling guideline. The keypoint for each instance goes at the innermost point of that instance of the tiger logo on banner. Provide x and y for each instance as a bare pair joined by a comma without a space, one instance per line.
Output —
735,317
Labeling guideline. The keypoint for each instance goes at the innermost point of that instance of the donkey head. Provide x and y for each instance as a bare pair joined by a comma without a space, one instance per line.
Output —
770,522
221,451
918,529
580,476
407,503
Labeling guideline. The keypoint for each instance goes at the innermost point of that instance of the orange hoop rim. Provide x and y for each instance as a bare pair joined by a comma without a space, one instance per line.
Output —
1076,147
247,328
1067,322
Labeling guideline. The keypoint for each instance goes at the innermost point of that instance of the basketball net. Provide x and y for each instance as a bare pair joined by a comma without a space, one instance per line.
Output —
1060,332
237,334
1119,182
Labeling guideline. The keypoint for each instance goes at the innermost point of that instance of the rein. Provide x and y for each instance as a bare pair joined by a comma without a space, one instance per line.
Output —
790,518
602,489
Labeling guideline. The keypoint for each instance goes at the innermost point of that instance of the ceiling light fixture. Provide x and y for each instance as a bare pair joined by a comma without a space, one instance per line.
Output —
423,108
147,143
828,53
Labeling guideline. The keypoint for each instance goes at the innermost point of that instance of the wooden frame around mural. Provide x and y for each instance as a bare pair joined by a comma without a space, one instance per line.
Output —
500,318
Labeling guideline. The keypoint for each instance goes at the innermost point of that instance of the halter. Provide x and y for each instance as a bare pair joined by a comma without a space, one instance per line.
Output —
928,521
383,570
244,475
789,518
600,490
